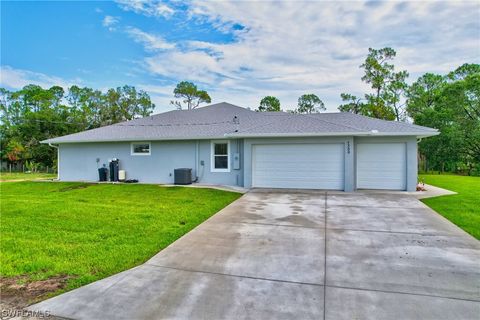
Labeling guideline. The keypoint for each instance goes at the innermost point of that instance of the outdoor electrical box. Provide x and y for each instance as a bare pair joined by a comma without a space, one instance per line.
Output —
236,161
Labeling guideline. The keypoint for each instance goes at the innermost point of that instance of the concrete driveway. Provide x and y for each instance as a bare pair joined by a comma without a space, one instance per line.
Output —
317,255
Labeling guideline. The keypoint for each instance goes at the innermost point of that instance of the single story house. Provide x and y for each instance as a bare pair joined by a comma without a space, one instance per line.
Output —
230,145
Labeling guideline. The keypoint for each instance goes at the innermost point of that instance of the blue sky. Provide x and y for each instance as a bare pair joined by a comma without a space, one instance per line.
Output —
238,51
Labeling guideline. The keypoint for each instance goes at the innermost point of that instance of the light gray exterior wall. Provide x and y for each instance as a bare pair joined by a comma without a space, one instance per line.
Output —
205,175
77,161
348,157
411,157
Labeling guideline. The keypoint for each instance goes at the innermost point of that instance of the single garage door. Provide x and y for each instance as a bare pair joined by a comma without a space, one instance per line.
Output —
303,166
381,166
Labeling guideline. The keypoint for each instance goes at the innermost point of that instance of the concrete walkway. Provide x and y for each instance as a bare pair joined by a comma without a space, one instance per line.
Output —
432,191
316,255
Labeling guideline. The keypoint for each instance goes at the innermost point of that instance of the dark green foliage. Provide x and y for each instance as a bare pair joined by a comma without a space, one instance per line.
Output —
386,101
451,104
269,103
192,97
33,114
352,104
310,103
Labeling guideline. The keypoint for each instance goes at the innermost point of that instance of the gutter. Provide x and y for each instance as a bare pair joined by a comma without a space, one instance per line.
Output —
261,135
133,140
355,134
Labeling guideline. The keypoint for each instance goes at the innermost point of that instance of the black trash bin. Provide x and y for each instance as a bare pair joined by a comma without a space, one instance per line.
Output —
102,174
114,166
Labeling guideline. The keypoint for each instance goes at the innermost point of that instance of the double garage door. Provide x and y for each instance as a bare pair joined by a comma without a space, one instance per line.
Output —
303,166
322,166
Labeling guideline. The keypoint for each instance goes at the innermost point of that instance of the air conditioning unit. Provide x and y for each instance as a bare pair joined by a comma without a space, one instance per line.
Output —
183,176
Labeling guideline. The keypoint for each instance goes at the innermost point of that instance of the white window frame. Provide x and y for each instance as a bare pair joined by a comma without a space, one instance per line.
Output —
140,154
212,155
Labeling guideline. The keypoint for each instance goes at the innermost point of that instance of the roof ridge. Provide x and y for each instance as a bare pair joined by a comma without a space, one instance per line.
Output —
227,104
175,124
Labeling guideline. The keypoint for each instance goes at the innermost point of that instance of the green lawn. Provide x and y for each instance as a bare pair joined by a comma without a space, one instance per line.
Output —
463,209
6,176
90,231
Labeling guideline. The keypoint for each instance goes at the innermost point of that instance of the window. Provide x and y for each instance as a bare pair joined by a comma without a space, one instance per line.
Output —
220,156
140,149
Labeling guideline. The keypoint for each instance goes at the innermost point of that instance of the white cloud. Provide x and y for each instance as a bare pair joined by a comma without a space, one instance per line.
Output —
17,78
110,22
164,91
290,48
150,8
151,42
160,96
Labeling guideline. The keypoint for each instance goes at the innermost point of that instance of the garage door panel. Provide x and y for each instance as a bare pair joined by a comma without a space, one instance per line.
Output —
310,166
381,166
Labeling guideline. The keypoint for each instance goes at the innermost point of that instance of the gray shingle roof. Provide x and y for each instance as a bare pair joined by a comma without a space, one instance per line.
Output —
217,121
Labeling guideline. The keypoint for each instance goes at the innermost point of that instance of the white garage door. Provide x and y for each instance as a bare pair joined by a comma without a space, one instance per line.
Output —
381,166
305,166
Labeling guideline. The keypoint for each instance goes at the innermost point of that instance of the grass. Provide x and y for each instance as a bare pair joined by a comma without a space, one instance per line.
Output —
463,209
91,231
7,176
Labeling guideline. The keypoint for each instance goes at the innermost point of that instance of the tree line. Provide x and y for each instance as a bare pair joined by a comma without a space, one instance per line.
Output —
33,114
450,103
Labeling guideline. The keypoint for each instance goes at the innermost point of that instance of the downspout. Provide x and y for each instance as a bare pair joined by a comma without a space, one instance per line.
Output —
197,157
58,159
419,158
240,164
